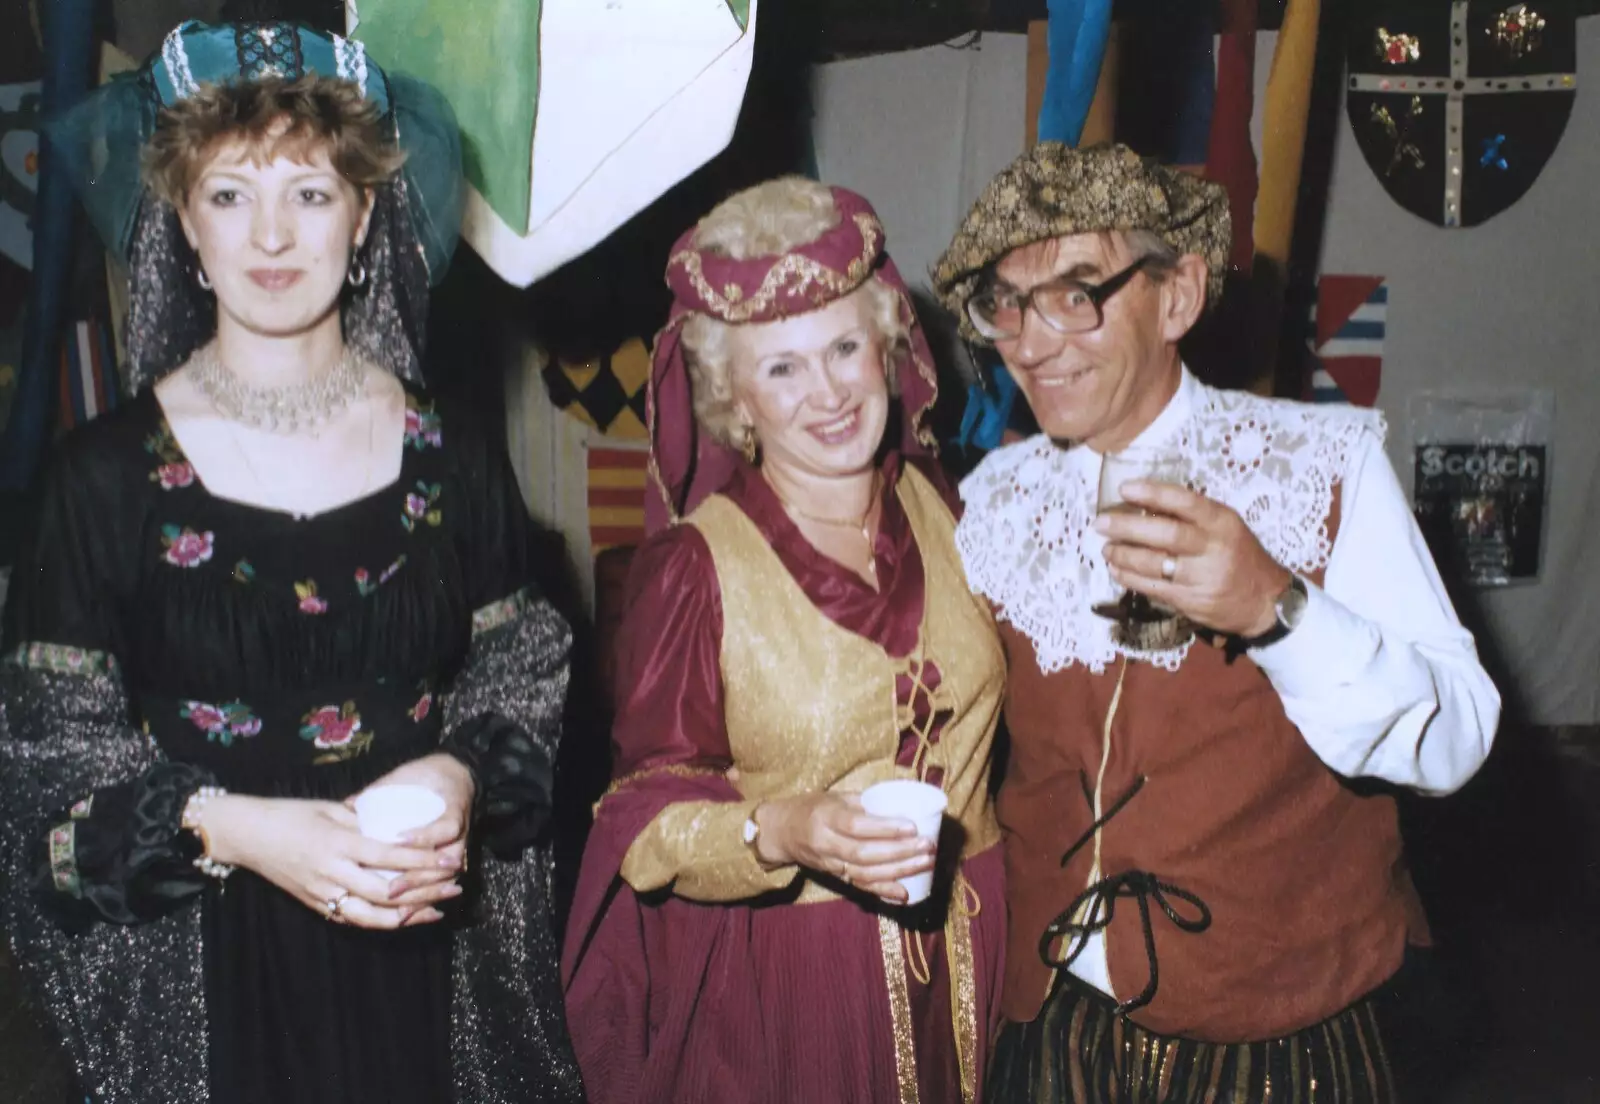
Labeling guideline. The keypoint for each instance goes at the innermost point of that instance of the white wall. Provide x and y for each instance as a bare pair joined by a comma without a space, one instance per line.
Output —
1512,302
920,133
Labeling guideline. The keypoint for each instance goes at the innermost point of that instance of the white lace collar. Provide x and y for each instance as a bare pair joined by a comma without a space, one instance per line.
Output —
1026,538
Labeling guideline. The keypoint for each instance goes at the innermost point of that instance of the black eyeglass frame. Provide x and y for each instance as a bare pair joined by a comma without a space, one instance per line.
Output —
1097,295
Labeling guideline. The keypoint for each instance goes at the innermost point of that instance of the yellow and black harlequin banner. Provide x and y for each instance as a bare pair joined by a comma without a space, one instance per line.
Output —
607,392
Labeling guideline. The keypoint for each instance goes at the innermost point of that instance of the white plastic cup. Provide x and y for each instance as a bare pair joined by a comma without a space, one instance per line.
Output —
385,813
921,804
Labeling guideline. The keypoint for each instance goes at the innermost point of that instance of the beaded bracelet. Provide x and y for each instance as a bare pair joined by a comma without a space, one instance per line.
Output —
192,809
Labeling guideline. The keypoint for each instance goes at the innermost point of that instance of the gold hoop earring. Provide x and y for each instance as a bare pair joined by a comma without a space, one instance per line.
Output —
749,445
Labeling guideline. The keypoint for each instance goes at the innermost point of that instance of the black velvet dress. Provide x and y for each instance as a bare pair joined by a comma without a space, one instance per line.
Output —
284,657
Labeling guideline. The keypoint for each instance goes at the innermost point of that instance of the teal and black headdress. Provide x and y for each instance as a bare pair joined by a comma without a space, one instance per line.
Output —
415,218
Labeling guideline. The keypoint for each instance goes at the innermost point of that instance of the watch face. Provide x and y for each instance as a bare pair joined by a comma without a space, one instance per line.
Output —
1292,606
751,830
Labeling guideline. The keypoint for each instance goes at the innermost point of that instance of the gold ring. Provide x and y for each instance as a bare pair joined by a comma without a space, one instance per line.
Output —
335,905
1169,568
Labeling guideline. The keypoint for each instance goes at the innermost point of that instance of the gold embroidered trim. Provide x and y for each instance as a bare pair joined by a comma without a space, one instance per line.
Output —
894,972
963,983
502,612
674,770
794,274
62,659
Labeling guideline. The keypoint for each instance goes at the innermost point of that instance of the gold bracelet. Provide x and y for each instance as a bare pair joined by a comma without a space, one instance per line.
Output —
191,821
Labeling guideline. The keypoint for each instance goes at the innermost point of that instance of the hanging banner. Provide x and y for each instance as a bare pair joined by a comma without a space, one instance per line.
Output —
1482,481
1458,107
575,115
618,483
1346,336
607,392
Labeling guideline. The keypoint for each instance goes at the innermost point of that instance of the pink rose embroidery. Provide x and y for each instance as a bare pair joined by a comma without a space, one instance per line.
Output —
422,506
207,718
306,592
222,723
423,427
335,729
173,476
185,547
424,706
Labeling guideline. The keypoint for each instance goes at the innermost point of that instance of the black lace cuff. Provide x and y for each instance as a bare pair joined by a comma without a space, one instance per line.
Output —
121,853
514,779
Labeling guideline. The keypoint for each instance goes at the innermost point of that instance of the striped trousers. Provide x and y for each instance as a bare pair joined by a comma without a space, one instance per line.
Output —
1078,1051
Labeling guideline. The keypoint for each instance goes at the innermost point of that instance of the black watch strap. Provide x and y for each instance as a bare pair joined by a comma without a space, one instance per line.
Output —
1280,628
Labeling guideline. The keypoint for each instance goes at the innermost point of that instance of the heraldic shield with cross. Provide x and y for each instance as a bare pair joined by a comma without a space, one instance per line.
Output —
1458,106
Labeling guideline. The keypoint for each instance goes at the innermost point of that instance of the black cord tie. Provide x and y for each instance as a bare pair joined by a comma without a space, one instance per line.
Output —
1099,902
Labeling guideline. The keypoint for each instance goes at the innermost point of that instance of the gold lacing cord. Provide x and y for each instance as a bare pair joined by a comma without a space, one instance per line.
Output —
913,667
968,906
917,957
1105,759
1099,786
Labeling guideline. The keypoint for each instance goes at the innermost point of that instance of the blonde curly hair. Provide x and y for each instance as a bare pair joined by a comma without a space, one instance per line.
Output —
770,219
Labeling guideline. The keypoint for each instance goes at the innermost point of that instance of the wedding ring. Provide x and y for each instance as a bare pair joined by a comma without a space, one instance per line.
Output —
1169,568
335,905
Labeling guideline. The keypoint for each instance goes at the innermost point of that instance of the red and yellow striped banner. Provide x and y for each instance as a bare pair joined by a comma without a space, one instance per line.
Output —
617,483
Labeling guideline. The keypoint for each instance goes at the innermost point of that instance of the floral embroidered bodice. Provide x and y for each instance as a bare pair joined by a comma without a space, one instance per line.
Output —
294,642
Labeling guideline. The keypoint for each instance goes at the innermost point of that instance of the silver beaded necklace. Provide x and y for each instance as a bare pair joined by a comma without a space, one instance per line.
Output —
287,409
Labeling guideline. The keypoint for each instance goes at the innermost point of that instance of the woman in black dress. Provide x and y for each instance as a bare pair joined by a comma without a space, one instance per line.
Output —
280,575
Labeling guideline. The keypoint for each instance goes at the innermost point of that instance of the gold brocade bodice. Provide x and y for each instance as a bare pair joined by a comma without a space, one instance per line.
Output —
811,706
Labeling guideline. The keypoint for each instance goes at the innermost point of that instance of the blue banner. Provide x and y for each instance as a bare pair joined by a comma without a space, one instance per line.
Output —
1077,36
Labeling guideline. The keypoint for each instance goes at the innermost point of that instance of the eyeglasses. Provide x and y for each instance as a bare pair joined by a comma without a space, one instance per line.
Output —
1066,306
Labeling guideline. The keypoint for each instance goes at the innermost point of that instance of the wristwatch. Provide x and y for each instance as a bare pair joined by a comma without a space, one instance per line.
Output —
1289,607
752,834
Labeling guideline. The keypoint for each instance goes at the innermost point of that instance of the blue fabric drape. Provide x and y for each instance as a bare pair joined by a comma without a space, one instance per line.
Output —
68,33
1077,35
1197,58
989,410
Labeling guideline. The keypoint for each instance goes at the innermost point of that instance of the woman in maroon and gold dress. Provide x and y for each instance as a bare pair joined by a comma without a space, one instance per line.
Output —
739,932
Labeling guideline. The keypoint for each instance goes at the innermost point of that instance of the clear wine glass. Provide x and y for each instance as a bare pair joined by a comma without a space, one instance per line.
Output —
1152,464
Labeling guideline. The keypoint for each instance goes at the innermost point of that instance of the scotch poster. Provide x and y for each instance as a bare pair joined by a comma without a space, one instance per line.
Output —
1481,508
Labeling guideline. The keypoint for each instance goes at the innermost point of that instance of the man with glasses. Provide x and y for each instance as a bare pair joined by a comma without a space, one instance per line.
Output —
1207,893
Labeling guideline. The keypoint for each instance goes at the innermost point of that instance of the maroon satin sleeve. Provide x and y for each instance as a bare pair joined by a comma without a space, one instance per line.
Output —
669,679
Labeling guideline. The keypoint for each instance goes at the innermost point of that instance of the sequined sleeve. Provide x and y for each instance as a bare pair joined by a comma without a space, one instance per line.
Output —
97,843
503,710
502,717
86,811
670,725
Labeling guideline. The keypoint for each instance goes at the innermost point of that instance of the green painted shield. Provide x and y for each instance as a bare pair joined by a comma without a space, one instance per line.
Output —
490,75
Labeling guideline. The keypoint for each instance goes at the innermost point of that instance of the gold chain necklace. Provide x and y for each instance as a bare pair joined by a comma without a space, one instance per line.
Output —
860,526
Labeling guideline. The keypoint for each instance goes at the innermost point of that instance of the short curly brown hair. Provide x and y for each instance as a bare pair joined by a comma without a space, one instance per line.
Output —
274,118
